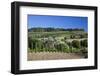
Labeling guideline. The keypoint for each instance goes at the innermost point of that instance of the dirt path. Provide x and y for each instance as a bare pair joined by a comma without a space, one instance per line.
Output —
52,56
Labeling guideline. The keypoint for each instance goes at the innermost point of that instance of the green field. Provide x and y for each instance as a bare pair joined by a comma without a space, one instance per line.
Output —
67,41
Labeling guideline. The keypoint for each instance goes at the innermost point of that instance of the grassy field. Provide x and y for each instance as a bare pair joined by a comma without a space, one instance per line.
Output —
69,42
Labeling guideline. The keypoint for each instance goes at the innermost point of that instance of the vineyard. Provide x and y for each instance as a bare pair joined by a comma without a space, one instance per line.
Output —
58,40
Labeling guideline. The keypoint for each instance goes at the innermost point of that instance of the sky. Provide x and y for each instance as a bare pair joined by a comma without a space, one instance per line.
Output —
66,22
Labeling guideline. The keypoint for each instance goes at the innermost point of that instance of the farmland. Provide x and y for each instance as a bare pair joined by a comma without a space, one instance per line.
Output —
57,40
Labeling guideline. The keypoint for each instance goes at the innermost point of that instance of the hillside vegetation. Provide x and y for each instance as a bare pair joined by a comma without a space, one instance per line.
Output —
58,40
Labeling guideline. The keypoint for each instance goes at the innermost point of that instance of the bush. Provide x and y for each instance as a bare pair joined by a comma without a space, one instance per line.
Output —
75,50
65,38
62,39
84,43
85,52
72,36
76,43
62,47
84,35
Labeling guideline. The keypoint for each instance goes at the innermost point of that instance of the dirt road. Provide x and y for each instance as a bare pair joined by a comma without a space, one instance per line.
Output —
52,56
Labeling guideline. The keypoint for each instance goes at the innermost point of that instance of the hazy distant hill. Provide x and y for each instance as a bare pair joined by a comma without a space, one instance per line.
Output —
52,29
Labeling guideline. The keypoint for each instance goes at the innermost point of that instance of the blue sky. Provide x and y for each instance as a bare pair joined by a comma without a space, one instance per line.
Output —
66,22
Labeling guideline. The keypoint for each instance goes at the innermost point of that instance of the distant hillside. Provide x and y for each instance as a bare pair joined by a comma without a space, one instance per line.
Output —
52,29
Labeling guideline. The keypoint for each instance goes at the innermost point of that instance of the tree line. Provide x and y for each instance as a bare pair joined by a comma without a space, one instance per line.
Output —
39,29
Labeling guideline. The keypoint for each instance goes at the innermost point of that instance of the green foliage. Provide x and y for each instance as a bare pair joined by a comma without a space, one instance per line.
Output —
76,43
65,38
51,29
83,35
72,36
56,40
75,50
84,43
84,51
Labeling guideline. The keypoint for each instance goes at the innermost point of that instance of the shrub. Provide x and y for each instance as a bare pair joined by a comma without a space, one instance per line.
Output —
84,35
65,38
84,43
61,47
84,50
75,50
62,39
72,36
76,43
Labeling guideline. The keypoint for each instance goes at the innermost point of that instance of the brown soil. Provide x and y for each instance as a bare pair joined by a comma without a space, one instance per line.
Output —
52,56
